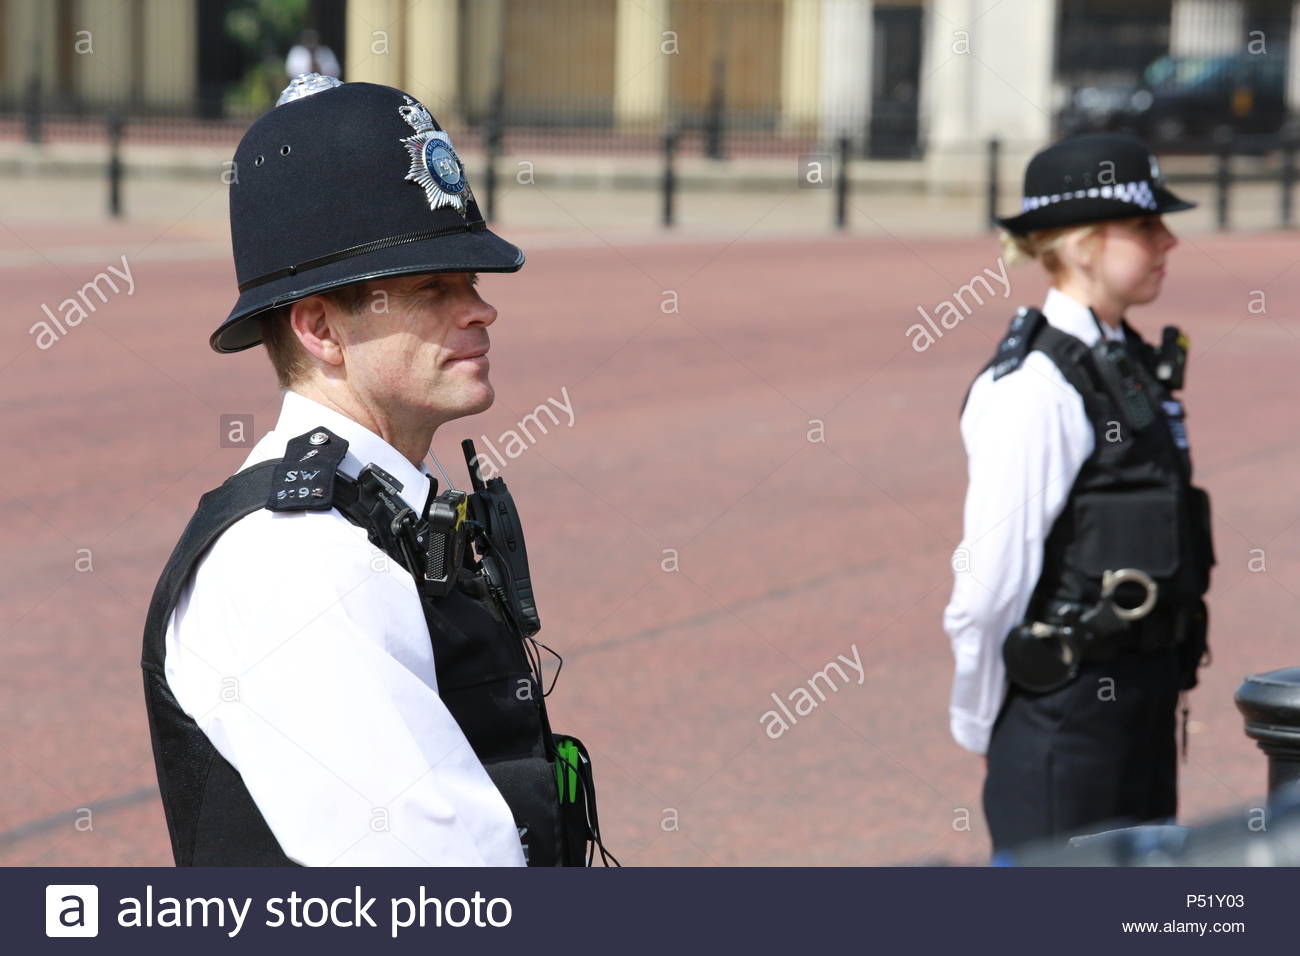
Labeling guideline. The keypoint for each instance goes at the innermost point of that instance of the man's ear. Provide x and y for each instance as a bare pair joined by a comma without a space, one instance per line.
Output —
315,320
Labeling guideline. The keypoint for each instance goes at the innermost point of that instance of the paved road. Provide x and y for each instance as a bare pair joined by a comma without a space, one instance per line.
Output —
762,475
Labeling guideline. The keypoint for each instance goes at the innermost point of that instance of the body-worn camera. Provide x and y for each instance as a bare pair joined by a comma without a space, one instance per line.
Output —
1171,358
433,547
443,540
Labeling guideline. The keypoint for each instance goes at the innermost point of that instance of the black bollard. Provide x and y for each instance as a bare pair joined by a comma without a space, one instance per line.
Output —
1288,177
494,132
670,178
1271,705
493,151
995,152
1223,183
842,186
714,121
32,109
115,165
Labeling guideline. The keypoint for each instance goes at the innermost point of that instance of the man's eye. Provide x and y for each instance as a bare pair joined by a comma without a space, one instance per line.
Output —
440,284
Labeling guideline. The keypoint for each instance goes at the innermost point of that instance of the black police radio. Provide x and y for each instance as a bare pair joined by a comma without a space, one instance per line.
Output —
499,537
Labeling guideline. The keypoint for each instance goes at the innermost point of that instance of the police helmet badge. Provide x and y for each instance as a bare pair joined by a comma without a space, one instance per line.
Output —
434,163
305,84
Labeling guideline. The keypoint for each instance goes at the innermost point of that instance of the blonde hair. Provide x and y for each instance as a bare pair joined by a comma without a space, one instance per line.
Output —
1043,245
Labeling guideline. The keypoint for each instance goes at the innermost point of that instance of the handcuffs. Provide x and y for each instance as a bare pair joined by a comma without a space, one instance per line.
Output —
1042,656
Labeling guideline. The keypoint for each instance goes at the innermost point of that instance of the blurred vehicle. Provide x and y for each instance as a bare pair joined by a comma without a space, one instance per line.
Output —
1188,101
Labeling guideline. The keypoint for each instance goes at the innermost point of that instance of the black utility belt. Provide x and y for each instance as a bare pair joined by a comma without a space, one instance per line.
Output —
1043,655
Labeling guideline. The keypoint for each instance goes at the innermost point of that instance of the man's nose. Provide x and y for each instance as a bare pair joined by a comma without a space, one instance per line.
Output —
479,313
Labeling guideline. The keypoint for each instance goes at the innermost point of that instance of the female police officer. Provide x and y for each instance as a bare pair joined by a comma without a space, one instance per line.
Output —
1076,616
326,681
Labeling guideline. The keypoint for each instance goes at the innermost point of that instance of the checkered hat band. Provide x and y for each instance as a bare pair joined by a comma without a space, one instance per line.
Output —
1138,194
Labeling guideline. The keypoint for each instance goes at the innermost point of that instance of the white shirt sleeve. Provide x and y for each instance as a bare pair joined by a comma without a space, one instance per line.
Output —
1026,437
302,653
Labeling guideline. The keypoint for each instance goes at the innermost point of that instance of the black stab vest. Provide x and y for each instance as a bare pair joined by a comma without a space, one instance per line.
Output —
484,679
1133,504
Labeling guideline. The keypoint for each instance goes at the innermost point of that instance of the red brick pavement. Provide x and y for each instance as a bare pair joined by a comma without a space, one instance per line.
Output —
691,433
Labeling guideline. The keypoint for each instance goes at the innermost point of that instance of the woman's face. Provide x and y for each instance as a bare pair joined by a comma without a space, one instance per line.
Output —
1124,260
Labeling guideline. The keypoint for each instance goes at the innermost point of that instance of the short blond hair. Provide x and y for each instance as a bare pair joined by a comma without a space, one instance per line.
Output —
1043,245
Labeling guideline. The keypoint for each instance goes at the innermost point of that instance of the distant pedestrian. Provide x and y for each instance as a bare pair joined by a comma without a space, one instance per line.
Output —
311,56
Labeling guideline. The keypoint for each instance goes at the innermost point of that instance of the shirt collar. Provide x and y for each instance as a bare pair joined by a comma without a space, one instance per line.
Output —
1075,318
299,415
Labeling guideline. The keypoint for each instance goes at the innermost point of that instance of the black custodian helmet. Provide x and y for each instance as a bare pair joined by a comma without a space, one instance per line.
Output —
341,183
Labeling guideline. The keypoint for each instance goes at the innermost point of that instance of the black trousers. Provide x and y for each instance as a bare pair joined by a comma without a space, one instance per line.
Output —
1100,751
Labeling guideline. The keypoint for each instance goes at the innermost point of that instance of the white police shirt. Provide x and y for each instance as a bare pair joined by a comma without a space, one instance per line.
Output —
1026,437
301,651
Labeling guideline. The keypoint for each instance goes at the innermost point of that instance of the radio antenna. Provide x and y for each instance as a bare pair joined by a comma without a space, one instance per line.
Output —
437,464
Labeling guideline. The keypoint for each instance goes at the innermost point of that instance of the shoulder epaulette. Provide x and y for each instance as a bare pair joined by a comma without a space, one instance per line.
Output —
304,479
1015,345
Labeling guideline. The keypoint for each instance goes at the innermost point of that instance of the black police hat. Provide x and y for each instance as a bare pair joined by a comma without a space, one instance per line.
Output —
1090,178
341,183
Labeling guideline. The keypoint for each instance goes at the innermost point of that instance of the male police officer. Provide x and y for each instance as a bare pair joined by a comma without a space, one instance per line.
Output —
1087,549
332,676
